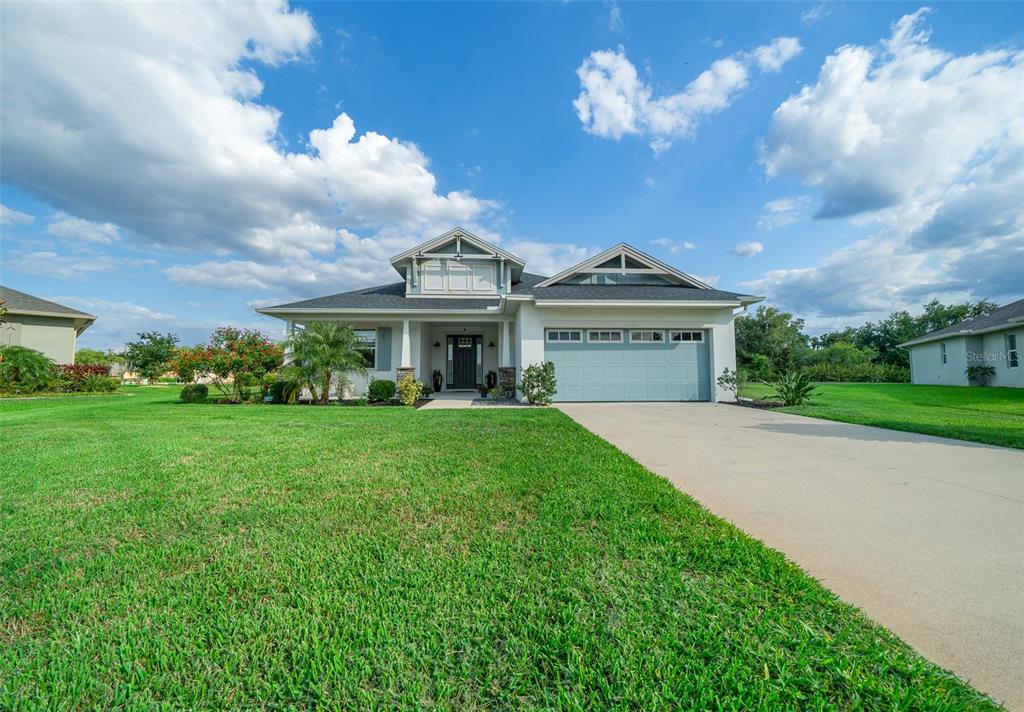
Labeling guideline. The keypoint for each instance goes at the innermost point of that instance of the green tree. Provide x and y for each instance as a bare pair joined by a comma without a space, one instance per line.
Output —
773,334
237,359
324,352
102,358
151,355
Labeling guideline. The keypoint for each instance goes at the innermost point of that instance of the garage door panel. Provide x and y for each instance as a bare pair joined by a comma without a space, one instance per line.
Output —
631,371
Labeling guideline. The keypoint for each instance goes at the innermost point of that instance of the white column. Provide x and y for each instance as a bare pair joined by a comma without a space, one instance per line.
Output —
505,359
406,345
289,332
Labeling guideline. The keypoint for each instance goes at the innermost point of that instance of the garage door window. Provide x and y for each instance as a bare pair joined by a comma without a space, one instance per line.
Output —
565,335
677,336
647,337
607,337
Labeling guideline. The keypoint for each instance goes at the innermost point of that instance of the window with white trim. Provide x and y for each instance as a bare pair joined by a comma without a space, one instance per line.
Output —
367,345
646,336
572,335
1012,355
607,336
942,352
677,336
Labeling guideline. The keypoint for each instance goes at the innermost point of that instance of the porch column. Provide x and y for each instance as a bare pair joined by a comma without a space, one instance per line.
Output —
289,332
506,359
406,345
506,371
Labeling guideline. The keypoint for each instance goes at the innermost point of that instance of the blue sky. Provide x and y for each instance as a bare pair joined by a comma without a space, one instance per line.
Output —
171,170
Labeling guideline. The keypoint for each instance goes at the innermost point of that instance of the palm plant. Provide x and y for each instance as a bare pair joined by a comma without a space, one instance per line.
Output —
25,370
323,352
794,388
980,374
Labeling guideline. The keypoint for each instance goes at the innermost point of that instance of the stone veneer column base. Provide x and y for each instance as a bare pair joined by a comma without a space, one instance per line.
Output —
404,372
507,378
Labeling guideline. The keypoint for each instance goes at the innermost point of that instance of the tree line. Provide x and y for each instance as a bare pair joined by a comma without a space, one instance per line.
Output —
771,342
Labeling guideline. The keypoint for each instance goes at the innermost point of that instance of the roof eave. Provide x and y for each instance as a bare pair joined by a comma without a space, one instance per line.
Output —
62,315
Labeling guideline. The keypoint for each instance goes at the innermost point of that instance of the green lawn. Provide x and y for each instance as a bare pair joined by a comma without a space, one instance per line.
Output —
153,553
986,415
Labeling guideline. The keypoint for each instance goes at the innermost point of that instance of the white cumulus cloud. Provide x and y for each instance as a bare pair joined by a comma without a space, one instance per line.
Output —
10,216
921,143
615,101
145,121
748,249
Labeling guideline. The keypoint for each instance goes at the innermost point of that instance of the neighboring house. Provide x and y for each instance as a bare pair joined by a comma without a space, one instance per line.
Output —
995,340
42,325
618,326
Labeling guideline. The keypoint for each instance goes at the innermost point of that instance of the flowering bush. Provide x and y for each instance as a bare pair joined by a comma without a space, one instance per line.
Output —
238,358
409,390
85,378
190,361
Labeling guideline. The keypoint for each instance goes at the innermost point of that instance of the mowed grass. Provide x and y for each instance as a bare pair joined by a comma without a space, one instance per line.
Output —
986,415
210,556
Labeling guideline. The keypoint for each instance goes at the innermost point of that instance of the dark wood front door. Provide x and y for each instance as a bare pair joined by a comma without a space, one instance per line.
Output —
464,357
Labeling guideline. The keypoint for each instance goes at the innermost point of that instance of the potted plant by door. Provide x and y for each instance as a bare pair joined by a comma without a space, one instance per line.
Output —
437,378
492,379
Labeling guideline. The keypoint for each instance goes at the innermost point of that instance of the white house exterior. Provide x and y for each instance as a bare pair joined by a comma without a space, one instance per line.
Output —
943,356
619,326
50,328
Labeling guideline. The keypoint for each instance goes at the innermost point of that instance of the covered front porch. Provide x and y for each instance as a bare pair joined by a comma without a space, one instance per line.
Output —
463,351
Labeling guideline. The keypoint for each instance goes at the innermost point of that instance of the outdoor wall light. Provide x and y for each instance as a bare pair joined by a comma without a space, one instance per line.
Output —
437,344
490,345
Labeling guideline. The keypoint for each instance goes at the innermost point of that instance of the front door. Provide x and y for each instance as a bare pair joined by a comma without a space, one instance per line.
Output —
464,352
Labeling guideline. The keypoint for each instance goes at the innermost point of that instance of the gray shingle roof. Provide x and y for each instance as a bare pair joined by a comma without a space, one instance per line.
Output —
19,302
388,296
1010,315
571,292
392,296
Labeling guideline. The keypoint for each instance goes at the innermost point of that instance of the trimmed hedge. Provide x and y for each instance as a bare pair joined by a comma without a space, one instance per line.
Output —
194,393
381,390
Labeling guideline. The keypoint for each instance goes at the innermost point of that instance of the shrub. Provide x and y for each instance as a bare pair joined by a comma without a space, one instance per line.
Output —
858,373
980,374
794,388
381,389
97,383
194,393
730,381
284,389
409,391
24,370
539,384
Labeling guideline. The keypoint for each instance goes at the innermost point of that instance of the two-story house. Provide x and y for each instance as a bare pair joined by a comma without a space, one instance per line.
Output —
620,326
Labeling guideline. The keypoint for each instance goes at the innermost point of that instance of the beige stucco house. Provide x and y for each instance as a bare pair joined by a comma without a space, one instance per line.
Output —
42,325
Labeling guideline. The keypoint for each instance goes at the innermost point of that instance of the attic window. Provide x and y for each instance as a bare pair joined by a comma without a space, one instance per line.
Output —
613,263
635,264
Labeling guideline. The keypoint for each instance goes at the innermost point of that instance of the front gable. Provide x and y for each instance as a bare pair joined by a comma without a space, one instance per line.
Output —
457,263
624,265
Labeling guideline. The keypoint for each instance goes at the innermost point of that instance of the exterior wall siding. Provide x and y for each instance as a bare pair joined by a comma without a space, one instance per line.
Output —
926,362
963,351
994,347
53,336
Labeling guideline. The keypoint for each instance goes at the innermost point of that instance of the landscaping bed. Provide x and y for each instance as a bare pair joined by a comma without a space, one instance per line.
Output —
199,557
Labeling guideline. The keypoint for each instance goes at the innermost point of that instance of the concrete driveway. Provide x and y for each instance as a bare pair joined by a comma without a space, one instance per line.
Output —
925,534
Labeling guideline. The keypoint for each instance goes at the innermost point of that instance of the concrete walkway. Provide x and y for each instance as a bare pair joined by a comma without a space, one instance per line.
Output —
925,534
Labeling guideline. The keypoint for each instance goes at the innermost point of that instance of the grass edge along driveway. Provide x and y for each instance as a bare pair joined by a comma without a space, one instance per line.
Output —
220,556
994,416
